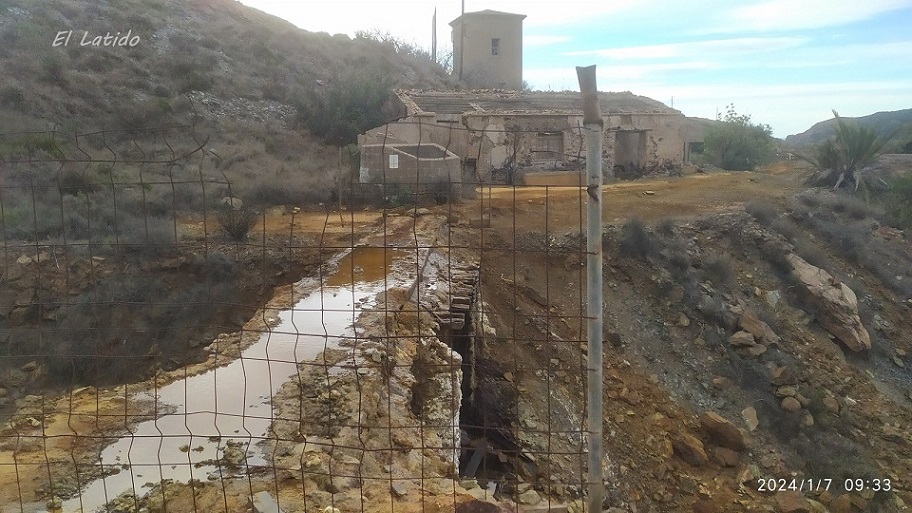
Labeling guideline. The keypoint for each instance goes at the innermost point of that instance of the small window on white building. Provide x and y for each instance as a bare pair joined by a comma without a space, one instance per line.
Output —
495,46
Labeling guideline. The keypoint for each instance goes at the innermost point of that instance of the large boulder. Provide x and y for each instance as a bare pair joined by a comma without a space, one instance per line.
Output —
836,304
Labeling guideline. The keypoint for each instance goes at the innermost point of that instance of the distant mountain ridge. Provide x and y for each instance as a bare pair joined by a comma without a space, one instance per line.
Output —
886,124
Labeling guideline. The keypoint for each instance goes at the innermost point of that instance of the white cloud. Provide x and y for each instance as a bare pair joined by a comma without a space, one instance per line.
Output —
548,13
411,19
716,48
542,40
788,108
784,15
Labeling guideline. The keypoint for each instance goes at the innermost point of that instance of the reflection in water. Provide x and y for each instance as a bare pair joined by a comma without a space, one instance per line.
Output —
364,264
233,404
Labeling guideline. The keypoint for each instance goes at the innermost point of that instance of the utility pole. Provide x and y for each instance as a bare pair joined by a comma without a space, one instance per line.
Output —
461,40
434,36
592,120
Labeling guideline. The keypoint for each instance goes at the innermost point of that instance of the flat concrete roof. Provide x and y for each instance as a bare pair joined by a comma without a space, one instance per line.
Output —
485,14
494,101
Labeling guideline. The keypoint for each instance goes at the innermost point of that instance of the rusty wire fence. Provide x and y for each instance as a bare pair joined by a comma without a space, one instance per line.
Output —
413,342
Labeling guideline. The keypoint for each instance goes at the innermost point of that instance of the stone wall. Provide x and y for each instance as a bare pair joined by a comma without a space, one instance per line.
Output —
504,147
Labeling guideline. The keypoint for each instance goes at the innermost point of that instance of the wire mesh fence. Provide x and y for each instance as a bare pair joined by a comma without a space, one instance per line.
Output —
173,342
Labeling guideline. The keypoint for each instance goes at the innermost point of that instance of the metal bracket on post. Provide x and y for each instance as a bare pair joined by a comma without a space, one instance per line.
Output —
592,120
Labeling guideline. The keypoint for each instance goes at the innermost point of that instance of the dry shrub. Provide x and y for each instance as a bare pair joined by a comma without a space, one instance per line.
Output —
854,207
666,226
236,223
719,269
636,241
762,211
787,228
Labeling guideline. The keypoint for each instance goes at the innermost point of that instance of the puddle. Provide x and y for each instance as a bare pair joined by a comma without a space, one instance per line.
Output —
365,264
232,404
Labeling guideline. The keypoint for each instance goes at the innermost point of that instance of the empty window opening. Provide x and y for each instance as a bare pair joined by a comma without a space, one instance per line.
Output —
548,147
495,46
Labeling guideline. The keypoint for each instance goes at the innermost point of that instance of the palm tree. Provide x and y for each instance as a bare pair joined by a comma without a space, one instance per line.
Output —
843,158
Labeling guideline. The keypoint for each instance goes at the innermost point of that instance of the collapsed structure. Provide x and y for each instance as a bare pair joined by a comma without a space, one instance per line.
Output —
504,135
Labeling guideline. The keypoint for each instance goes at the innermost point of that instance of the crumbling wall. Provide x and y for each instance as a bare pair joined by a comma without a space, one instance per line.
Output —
426,128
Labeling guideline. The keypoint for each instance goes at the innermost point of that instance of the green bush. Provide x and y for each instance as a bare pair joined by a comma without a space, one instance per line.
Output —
196,81
899,200
149,112
53,70
350,104
75,182
12,96
31,146
736,144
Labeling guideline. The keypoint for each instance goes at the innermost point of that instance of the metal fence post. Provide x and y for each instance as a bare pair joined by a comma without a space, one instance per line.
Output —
592,120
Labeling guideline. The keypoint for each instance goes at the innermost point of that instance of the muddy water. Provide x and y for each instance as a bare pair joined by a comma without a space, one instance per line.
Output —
231,405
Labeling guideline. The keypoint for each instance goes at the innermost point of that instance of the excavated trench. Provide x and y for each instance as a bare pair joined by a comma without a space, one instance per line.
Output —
489,451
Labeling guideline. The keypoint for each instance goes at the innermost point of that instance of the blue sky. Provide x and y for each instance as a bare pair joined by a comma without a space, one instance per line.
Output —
786,63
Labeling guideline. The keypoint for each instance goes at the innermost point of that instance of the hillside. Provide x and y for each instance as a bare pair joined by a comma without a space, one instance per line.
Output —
886,124
247,79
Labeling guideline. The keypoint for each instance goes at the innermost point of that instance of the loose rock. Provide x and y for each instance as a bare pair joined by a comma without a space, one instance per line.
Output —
792,502
791,404
690,449
742,339
529,497
722,431
749,415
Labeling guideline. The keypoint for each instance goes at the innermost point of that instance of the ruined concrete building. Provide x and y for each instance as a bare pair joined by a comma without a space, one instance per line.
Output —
510,136
487,49
513,137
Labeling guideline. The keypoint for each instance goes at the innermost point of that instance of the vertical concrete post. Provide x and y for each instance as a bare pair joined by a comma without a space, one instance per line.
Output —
592,121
